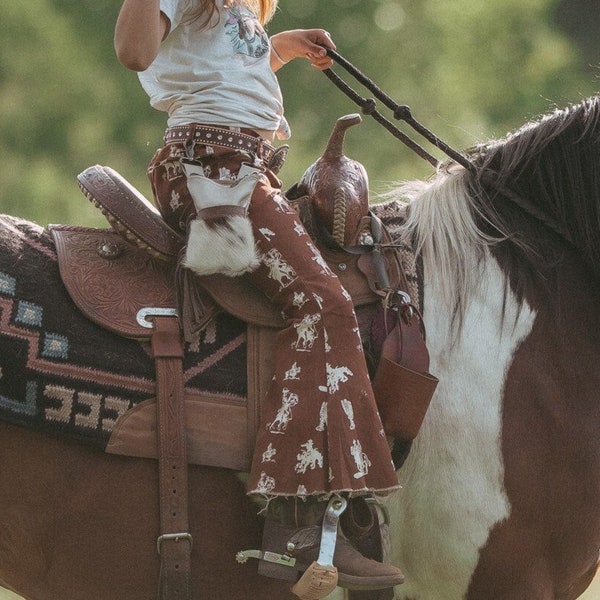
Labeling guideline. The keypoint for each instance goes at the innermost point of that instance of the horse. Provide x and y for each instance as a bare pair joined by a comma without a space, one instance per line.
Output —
500,495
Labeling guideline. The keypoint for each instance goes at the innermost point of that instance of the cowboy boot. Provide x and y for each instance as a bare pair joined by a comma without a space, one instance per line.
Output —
363,527
293,533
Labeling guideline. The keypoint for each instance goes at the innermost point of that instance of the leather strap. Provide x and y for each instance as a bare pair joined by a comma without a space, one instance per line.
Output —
220,136
216,212
175,542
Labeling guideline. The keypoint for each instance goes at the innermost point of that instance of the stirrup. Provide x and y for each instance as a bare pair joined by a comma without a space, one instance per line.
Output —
321,577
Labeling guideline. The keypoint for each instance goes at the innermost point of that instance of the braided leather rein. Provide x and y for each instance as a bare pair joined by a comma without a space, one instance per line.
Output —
401,112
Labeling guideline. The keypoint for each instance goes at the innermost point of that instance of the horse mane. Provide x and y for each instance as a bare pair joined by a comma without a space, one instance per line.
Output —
533,196
549,169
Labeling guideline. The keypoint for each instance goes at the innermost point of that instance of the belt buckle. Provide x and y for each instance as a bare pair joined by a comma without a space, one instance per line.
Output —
268,151
260,147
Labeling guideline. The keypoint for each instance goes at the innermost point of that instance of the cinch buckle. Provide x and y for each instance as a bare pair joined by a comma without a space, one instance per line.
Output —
150,311
397,299
173,536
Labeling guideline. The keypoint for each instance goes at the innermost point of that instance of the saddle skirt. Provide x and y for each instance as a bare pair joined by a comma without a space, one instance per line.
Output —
138,221
114,275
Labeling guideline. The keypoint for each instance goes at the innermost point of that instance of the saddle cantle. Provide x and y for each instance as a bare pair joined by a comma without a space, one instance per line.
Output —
129,212
140,223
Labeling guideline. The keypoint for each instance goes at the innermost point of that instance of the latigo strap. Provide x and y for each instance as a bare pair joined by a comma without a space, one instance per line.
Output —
175,542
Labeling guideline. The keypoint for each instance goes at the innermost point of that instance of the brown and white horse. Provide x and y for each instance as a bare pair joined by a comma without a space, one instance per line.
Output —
501,491
501,496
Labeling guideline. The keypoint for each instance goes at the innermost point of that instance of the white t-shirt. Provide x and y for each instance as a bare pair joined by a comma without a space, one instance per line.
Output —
219,73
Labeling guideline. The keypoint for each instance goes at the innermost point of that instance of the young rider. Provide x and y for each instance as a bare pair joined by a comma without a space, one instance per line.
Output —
210,65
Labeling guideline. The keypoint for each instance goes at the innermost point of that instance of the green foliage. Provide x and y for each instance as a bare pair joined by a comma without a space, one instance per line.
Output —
470,70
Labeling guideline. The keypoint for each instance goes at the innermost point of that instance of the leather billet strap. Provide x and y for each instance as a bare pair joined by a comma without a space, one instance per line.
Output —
175,542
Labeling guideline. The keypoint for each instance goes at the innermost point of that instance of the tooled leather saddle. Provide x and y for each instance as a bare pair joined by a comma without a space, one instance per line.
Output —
134,262
123,279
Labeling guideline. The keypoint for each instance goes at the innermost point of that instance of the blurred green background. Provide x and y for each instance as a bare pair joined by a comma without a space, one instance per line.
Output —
469,69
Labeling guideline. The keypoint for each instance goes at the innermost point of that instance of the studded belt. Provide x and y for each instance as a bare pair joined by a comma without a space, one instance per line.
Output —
220,136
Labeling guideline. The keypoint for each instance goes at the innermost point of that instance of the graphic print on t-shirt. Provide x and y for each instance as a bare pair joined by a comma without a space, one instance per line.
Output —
246,33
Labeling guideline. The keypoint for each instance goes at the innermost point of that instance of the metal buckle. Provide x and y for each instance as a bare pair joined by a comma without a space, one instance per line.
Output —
261,149
396,299
381,509
144,313
279,559
400,302
173,536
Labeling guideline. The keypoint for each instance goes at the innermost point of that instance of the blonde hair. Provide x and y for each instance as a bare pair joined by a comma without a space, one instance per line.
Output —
263,9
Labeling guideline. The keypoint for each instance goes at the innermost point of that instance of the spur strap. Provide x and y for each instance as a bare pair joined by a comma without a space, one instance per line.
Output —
175,542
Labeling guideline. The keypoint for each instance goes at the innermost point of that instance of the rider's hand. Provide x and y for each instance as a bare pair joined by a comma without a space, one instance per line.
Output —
302,43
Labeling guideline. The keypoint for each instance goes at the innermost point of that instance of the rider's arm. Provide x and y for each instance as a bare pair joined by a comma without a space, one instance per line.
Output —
140,29
306,43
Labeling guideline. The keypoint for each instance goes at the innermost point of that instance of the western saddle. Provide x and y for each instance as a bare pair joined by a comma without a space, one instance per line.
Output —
137,258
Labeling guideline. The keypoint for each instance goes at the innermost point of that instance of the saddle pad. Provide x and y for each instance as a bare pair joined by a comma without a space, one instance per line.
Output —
63,374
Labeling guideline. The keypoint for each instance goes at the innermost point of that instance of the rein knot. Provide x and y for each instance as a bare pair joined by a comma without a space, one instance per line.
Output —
402,112
368,107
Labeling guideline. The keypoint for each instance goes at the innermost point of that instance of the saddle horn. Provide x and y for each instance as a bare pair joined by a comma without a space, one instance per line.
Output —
335,144
338,186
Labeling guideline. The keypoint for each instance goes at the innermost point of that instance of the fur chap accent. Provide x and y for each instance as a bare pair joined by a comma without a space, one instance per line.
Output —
228,249
225,245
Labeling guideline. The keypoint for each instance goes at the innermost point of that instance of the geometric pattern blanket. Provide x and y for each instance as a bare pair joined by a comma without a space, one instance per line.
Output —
61,373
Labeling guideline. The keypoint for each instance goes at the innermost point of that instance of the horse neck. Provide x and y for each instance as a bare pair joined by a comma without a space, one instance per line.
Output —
547,173
445,234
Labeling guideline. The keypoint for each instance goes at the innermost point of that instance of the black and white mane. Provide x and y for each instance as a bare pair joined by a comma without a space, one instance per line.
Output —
533,198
